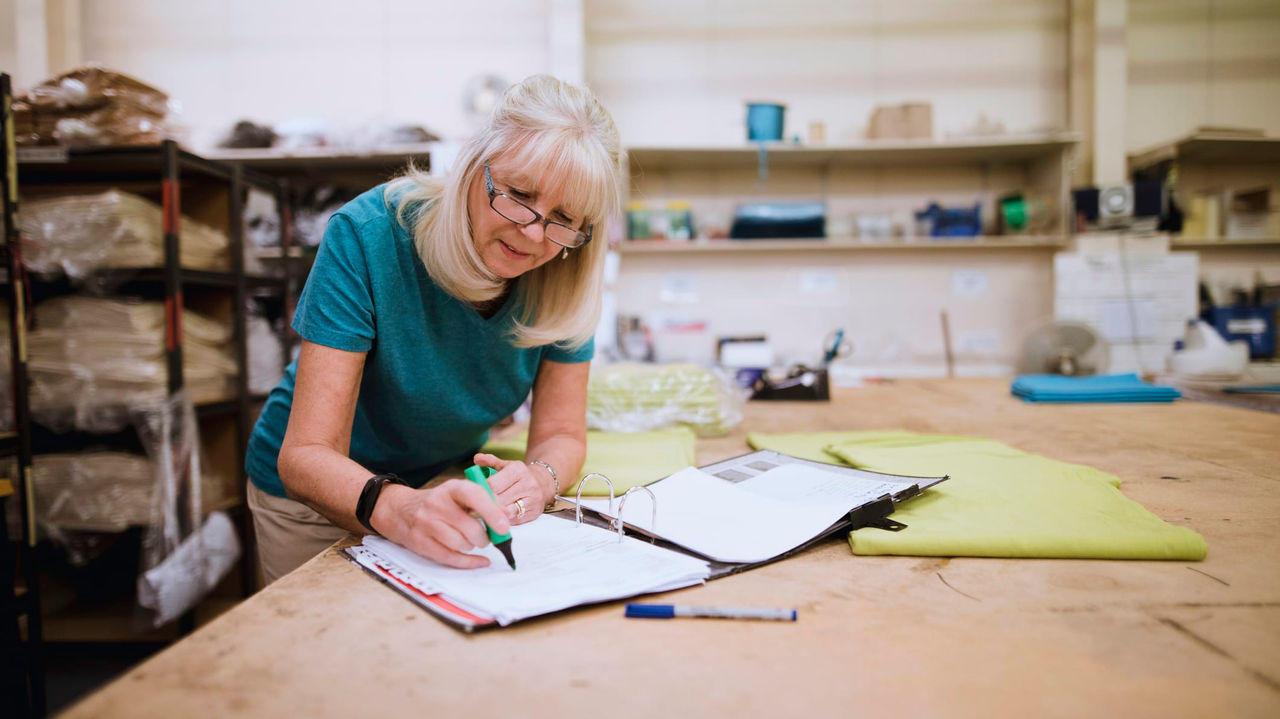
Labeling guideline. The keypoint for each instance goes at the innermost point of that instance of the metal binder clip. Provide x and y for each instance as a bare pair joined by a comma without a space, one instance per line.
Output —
653,521
577,512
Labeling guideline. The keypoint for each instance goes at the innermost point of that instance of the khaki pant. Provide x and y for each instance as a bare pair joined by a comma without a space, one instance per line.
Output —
288,533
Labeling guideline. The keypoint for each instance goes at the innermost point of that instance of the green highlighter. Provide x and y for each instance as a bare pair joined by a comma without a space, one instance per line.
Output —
480,476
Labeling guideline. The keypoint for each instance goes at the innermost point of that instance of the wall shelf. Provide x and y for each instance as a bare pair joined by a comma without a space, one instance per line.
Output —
1209,148
305,158
875,152
1201,243
835,244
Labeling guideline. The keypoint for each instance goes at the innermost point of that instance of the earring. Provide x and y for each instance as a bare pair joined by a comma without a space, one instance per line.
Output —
565,255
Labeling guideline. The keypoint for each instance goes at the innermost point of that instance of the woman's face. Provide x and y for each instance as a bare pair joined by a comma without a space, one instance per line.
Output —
507,249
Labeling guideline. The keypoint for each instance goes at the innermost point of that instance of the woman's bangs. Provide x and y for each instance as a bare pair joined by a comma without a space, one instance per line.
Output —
585,173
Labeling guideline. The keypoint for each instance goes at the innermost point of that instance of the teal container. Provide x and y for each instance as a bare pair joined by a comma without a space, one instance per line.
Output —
764,121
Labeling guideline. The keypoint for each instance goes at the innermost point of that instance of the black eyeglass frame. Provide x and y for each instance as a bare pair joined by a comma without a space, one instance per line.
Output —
537,216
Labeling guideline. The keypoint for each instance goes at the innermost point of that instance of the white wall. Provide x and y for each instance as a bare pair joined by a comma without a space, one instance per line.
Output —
672,71
679,71
346,62
1202,62
888,301
8,37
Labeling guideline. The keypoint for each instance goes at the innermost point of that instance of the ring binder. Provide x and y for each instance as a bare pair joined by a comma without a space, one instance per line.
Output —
653,520
759,507
578,499
716,531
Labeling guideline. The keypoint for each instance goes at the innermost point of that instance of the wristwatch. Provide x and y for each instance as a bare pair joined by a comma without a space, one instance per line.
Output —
369,497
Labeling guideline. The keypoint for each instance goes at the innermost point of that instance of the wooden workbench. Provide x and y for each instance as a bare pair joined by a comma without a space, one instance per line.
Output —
877,636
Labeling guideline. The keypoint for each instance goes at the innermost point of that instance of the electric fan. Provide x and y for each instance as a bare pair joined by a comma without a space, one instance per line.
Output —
1064,347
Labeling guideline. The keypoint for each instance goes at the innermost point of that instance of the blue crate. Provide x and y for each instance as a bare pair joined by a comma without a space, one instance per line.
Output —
1255,325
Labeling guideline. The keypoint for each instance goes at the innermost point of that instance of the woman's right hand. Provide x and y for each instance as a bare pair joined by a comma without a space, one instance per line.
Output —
440,523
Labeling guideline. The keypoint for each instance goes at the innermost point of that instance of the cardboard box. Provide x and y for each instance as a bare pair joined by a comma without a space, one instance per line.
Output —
1250,215
908,121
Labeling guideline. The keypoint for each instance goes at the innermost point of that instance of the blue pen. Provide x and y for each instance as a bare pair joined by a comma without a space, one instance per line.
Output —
479,475
835,347
671,611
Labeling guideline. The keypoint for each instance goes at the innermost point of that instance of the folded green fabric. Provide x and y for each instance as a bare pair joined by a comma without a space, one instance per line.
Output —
999,502
628,459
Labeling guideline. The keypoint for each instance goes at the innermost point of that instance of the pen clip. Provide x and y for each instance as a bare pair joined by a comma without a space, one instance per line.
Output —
578,499
653,521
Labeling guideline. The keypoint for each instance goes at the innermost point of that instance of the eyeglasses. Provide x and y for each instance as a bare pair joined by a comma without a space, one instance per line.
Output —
521,214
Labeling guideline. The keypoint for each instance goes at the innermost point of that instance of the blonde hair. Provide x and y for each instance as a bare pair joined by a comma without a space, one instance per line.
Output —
549,128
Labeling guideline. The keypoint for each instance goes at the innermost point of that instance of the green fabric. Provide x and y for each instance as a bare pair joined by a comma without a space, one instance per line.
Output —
999,502
629,459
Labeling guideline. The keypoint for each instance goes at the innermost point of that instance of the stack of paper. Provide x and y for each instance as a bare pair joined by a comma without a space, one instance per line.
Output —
559,564
1098,388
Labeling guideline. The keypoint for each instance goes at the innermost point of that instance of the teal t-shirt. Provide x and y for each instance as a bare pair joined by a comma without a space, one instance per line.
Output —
437,375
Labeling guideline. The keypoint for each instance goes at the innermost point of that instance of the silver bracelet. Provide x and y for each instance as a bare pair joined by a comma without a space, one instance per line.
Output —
555,480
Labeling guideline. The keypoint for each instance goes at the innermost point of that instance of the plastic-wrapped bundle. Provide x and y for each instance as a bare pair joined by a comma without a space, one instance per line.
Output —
92,491
630,397
266,356
81,233
91,359
91,106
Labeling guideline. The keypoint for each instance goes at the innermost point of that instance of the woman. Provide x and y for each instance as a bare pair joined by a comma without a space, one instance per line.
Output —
432,309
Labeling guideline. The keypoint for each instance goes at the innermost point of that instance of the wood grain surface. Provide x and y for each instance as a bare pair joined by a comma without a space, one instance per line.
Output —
877,636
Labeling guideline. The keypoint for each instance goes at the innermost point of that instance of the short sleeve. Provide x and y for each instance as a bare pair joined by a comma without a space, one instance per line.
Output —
560,353
335,308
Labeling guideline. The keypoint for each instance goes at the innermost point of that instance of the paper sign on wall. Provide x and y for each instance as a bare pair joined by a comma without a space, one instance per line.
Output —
680,288
817,282
969,283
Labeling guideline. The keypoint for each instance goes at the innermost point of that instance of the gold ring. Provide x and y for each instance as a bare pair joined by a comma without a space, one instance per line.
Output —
520,508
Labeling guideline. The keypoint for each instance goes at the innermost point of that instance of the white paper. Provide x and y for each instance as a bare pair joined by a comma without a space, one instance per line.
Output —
559,564
751,521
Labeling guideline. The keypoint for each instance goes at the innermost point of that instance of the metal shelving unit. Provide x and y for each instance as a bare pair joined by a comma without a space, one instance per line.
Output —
172,174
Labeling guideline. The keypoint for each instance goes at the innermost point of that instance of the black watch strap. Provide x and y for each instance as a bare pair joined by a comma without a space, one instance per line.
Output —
369,497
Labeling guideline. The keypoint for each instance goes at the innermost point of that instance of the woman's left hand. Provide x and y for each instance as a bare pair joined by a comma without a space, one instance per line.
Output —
519,490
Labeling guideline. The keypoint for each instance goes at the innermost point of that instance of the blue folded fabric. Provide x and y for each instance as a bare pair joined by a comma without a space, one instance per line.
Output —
1097,388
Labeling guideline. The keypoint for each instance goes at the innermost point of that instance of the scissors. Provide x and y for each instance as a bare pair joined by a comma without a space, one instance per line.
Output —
835,345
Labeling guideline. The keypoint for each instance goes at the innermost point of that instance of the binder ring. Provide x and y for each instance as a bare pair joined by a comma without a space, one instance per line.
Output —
577,512
653,521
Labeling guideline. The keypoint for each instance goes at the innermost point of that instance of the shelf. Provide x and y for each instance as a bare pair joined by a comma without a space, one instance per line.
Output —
53,163
138,280
326,157
275,253
126,278
216,407
1202,243
1209,148
115,622
8,448
258,282
839,245
221,505
873,152
204,278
